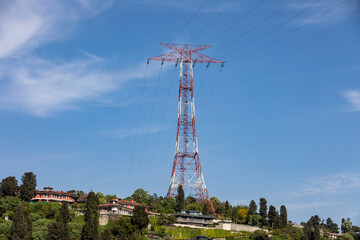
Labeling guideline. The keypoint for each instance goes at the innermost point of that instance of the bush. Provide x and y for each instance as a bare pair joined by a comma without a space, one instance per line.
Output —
259,235
347,236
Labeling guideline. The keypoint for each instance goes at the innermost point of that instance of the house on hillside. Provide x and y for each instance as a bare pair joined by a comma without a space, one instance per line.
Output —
116,208
194,218
119,206
49,195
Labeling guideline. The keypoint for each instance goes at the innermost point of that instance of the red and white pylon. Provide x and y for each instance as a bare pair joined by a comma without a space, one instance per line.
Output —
186,169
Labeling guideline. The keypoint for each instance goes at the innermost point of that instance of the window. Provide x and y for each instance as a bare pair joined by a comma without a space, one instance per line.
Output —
63,196
55,196
44,195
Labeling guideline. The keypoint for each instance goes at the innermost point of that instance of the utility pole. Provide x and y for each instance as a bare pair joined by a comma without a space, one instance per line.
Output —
186,169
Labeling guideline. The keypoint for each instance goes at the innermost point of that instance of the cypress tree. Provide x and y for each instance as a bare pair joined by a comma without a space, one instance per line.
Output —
9,187
90,230
140,218
21,228
180,199
60,230
272,215
252,208
283,216
263,211
27,189
227,209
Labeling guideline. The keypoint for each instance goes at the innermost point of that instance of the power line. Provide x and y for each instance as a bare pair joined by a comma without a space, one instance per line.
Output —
150,120
158,133
213,20
272,30
137,126
291,32
237,21
201,83
211,93
255,27
188,21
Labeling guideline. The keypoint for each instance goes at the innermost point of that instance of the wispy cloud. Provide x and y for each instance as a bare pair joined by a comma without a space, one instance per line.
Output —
353,97
124,133
332,184
341,13
39,86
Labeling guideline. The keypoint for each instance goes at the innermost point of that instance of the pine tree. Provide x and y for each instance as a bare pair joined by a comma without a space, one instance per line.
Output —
27,189
21,228
90,230
9,187
263,211
272,215
283,216
60,230
180,199
252,208
140,218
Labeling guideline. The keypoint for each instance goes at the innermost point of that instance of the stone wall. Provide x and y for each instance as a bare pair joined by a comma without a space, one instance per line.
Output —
106,217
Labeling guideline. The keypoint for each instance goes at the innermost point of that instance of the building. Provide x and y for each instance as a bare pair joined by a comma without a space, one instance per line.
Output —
194,218
119,206
116,208
49,195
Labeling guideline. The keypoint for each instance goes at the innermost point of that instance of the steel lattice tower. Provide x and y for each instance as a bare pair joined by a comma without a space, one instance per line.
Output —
186,169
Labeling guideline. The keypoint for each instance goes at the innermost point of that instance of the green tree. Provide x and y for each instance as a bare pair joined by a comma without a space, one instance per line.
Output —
140,218
141,196
28,186
331,226
346,226
283,217
308,231
227,209
9,187
190,200
180,199
122,229
272,216
21,228
90,230
263,212
194,206
60,229
101,197
254,220
252,208
316,234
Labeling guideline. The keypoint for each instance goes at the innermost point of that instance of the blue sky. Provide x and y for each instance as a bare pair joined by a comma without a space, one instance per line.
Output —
281,122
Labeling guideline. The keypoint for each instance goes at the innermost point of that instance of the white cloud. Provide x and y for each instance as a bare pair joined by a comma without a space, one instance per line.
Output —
42,86
332,184
353,97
